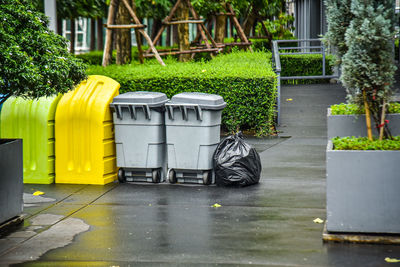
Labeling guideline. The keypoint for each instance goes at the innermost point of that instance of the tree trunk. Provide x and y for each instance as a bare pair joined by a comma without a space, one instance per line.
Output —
154,30
123,40
59,26
100,36
175,39
73,31
210,24
250,20
220,25
168,41
382,125
232,33
182,13
367,116
92,34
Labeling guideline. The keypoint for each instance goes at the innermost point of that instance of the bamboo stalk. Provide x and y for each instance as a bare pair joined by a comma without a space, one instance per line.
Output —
367,116
139,46
145,35
239,29
167,19
107,54
382,128
131,26
182,22
184,52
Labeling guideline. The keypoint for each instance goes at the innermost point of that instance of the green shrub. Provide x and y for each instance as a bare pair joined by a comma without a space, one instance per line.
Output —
362,143
245,80
351,109
305,65
34,60
345,109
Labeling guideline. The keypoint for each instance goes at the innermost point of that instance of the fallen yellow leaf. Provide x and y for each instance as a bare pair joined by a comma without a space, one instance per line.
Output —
318,220
289,99
38,193
216,205
387,259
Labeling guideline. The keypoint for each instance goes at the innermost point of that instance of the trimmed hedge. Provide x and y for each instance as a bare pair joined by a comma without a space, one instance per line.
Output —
245,80
306,65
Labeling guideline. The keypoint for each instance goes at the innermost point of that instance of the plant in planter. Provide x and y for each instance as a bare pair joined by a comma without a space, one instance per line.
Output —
361,180
368,71
34,62
349,120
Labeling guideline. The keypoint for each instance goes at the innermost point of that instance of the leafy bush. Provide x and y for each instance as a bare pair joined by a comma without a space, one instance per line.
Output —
305,65
34,60
278,28
351,109
245,80
362,143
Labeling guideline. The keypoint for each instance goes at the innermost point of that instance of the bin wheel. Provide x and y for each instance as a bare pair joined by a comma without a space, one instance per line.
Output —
172,177
121,176
207,177
156,176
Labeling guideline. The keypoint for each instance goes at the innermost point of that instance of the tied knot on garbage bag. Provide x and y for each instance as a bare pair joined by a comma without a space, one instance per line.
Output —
236,162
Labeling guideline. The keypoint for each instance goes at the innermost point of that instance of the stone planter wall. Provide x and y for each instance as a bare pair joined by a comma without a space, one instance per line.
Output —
354,125
11,179
363,191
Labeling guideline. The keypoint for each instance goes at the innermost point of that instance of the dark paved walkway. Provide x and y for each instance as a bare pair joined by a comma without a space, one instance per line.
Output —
267,224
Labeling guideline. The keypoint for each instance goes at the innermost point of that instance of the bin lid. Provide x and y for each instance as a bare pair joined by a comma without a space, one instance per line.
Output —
152,99
205,101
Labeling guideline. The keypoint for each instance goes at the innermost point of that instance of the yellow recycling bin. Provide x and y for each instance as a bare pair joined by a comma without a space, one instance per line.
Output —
33,121
85,147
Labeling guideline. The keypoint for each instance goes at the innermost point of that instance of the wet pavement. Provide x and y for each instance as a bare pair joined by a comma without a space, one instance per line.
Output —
175,225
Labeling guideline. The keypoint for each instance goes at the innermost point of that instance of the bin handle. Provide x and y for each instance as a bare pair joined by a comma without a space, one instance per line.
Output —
147,112
199,113
145,107
132,110
184,112
183,108
118,111
170,110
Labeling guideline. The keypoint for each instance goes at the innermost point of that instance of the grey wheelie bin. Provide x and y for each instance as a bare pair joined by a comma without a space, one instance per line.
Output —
140,136
193,122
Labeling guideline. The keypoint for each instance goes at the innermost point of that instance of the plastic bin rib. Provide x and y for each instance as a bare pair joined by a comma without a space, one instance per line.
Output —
85,147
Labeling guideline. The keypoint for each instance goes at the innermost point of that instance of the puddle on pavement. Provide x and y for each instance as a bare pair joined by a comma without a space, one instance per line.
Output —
32,201
60,233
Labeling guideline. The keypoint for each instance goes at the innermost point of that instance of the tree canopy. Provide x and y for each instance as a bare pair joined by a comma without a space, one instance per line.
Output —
34,60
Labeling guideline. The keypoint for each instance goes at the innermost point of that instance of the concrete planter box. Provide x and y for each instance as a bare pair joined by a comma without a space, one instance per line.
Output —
11,179
354,125
363,191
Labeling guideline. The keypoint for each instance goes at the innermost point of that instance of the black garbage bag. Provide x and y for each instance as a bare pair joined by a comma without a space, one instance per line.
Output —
236,162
